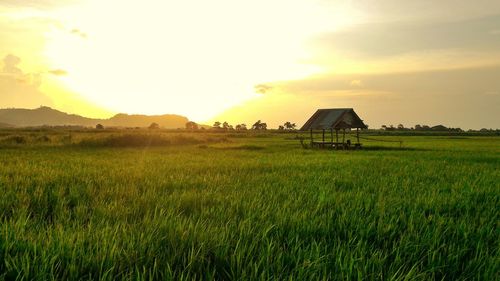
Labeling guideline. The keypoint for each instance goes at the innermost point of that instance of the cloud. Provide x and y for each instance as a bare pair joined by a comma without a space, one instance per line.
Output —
10,64
397,38
356,83
263,88
58,72
19,89
35,4
449,82
492,93
426,10
79,33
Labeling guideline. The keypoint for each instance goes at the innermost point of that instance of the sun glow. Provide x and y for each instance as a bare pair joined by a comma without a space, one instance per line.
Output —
195,58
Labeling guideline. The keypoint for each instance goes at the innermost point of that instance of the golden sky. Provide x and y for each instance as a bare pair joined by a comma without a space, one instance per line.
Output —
410,62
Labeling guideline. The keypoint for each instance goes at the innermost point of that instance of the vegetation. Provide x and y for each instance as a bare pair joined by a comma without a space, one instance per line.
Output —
152,204
154,126
287,126
418,127
259,125
191,125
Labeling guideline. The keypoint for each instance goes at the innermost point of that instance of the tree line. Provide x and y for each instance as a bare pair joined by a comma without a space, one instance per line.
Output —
419,127
225,126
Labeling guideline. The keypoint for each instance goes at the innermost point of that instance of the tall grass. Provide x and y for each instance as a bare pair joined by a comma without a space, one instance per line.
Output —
250,209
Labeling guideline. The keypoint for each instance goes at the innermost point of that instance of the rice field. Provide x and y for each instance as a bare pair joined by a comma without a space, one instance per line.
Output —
207,206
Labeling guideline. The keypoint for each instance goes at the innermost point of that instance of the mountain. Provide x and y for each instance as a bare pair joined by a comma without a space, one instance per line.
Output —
171,121
46,116
43,116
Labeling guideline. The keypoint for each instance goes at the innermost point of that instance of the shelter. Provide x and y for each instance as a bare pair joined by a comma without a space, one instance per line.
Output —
334,119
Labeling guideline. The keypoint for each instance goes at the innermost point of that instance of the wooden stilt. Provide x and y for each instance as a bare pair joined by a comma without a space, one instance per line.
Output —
357,134
336,135
331,134
312,135
323,135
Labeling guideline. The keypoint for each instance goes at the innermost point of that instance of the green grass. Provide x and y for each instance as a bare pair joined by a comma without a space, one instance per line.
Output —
246,207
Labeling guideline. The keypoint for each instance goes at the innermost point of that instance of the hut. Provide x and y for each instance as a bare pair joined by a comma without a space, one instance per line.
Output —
334,119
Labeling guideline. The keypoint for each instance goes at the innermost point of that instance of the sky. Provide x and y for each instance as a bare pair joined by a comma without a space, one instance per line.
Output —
409,62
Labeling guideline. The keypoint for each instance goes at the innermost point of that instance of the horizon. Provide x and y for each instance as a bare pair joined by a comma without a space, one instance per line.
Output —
394,63
381,127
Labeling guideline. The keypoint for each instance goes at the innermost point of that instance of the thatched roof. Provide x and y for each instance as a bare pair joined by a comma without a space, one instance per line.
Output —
334,118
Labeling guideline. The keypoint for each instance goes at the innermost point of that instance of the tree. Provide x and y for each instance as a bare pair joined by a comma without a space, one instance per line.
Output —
384,127
289,125
216,125
154,126
99,127
259,126
191,125
256,125
281,128
225,126
241,127
401,127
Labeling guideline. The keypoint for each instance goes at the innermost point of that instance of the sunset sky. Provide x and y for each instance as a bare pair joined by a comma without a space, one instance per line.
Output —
393,61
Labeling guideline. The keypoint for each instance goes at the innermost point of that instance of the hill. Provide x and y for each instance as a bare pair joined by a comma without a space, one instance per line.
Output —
46,116
171,121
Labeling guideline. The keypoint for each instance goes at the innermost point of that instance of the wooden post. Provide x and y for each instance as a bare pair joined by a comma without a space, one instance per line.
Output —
336,135
331,134
323,135
357,134
311,136
343,136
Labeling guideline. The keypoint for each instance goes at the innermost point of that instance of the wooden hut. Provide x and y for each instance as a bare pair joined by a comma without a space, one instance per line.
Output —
334,120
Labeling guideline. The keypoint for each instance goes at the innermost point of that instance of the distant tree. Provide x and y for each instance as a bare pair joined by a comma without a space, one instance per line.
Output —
281,128
241,127
225,126
256,125
401,127
384,127
418,127
426,128
289,125
154,126
439,128
259,125
191,125
99,127
216,125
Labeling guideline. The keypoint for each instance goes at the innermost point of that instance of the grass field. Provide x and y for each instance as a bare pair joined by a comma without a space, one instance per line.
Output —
189,206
